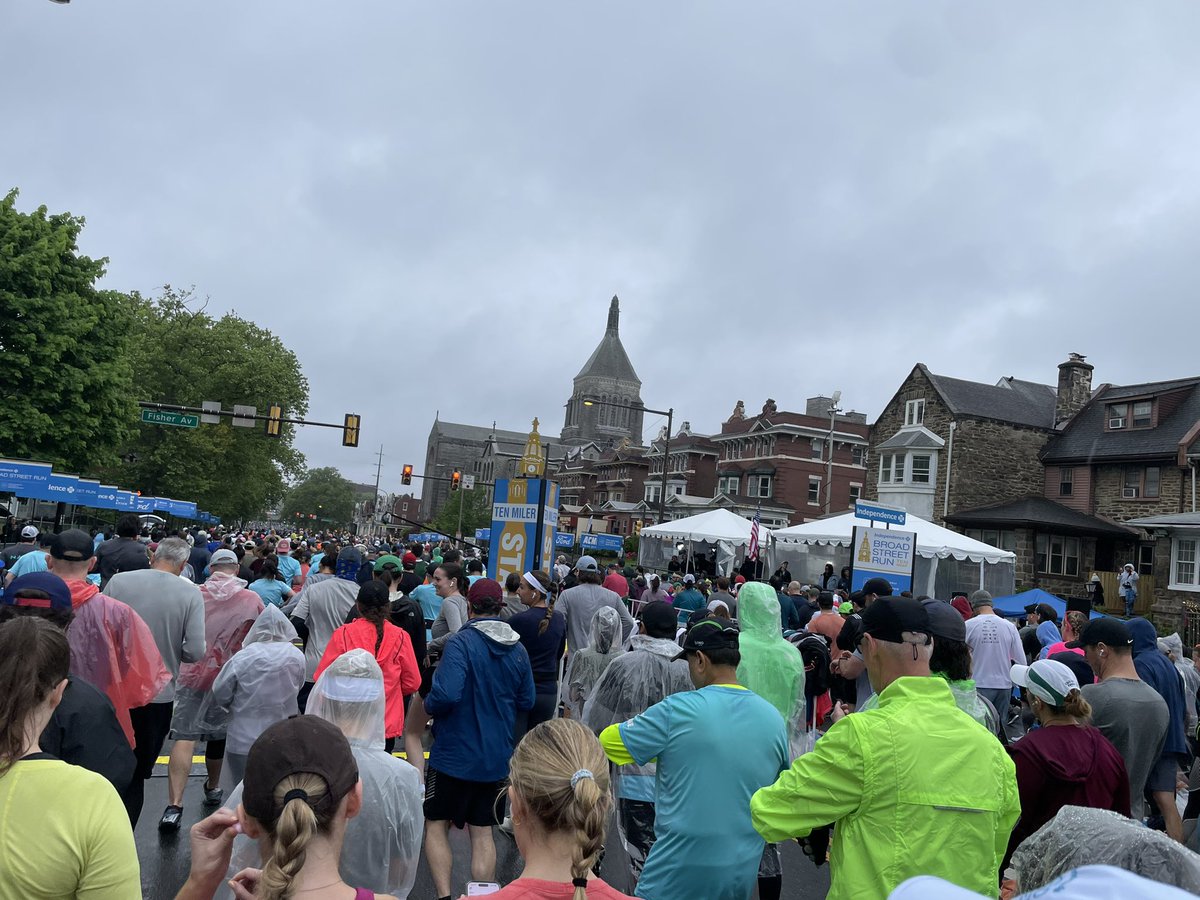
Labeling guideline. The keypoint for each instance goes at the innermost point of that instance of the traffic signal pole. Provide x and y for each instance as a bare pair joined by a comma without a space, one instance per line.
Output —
261,417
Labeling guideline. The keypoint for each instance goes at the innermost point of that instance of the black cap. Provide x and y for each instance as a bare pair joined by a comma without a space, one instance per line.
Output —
888,618
880,587
708,635
1079,604
945,621
73,545
1105,630
659,617
301,744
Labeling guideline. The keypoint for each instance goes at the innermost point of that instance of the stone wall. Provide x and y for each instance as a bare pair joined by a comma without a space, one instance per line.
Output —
1108,480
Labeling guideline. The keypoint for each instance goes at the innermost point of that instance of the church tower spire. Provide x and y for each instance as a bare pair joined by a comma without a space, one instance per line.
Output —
606,395
614,317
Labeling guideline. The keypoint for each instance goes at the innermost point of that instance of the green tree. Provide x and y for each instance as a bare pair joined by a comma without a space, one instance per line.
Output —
184,356
64,365
476,512
324,493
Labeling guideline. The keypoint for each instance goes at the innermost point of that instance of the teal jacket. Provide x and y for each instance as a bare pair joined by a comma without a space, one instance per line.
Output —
915,786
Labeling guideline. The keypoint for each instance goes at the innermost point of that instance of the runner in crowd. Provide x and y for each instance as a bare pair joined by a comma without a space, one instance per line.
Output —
230,610
631,684
579,604
258,686
589,663
543,633
321,610
63,829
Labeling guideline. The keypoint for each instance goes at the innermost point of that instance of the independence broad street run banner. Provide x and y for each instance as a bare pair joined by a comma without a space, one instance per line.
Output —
882,553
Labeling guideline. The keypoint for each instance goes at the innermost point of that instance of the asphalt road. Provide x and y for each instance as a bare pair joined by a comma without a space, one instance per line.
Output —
165,859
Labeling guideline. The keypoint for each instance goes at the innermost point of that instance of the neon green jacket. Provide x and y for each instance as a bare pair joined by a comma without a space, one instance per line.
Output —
916,787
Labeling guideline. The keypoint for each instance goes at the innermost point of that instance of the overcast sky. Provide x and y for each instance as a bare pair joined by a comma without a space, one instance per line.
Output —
432,203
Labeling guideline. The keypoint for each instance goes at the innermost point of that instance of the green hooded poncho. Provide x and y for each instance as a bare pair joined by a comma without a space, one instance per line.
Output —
770,666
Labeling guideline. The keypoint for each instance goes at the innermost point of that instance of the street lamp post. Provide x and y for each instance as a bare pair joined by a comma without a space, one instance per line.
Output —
833,411
670,414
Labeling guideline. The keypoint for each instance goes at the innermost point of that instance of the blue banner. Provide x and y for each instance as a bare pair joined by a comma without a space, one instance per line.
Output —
106,496
483,534
17,477
612,542
877,513
564,539
524,521
125,500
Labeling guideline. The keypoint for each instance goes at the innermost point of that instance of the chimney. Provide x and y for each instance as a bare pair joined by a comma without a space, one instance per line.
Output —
1074,387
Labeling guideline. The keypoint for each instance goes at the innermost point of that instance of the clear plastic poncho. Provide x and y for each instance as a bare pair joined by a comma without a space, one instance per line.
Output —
1078,836
259,685
1173,644
587,665
383,842
771,667
230,611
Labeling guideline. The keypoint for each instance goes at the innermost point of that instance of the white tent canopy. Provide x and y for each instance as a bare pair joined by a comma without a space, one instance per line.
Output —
719,529
946,560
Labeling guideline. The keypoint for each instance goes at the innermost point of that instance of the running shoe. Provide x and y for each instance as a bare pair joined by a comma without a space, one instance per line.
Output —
213,796
171,819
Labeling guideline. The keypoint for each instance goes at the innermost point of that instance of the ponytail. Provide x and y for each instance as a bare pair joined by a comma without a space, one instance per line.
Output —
588,812
1076,706
290,835
544,581
34,660
374,605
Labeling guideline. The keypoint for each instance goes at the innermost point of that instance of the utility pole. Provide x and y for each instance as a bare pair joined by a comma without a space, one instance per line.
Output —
833,413
375,516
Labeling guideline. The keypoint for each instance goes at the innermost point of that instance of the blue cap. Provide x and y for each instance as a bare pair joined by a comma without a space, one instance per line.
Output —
44,582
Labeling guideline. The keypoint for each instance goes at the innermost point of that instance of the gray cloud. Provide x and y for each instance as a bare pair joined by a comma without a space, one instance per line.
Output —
432,204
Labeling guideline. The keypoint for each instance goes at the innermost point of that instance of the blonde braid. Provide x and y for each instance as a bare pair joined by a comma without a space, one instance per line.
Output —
296,826
589,810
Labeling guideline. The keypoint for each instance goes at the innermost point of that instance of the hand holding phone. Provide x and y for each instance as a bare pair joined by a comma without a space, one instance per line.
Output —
479,888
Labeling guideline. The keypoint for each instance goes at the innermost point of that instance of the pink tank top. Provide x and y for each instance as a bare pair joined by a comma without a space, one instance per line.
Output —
363,894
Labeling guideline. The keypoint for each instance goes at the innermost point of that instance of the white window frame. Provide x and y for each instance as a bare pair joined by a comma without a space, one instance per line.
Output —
855,493
910,465
887,463
814,481
914,412
1066,479
1117,420
1193,547
858,455
653,492
1148,417
1068,543
817,450
764,486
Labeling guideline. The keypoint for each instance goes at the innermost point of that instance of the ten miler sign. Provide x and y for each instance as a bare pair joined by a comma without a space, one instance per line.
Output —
876,553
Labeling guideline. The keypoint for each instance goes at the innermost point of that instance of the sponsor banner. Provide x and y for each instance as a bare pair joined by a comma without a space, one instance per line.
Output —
880,553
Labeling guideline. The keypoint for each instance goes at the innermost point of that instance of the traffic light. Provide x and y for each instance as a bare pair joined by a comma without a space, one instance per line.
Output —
455,480
350,430
637,526
406,475
274,426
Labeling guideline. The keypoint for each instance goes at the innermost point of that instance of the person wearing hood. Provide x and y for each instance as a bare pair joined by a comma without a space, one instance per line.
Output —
258,686
482,680
322,610
774,669
1156,670
589,663
390,645
1172,646
1048,635
383,842
1065,761
631,684
230,610
1128,581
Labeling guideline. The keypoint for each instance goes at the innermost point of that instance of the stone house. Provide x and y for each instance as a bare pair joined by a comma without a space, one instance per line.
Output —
781,460
944,444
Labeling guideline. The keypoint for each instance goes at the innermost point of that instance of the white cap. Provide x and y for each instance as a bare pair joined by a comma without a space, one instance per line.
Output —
1047,679
29,532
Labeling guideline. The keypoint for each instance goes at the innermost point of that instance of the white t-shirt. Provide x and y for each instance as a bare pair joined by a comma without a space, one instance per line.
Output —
995,645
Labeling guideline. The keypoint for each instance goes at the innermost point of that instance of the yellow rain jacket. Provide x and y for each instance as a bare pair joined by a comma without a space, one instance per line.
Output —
915,787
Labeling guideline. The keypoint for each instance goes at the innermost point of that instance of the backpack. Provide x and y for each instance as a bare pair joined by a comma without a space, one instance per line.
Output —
815,652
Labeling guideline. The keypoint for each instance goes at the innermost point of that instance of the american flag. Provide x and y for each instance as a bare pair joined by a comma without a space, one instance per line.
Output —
753,554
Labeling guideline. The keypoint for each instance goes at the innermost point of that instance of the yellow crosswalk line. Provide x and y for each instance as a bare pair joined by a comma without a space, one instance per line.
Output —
199,760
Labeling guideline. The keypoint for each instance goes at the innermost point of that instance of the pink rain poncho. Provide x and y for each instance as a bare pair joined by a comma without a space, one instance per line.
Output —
229,612
113,650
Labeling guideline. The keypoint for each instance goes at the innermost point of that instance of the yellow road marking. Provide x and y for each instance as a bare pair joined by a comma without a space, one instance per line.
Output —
199,760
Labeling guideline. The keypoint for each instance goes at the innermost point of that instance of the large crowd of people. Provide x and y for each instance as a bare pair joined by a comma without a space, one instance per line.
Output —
356,701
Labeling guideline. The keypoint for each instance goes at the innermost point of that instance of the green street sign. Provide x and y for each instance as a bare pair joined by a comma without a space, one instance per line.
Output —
182,420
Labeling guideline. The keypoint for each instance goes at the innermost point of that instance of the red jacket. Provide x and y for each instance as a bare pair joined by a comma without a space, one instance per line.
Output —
395,657
1066,765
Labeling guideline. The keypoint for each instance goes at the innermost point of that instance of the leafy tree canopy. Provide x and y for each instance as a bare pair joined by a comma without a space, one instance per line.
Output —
64,362
324,493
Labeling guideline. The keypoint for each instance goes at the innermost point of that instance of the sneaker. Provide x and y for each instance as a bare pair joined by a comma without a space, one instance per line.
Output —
171,819
506,825
213,796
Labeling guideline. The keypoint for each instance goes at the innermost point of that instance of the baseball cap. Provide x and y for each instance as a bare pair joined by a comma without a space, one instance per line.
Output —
385,560
586,564
301,744
44,582
1046,679
1106,630
409,559
29,531
72,545
890,618
945,621
284,546
658,616
879,586
710,634
689,579
485,595
223,557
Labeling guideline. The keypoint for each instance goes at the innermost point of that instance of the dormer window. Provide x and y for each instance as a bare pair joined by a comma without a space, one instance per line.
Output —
1143,412
1118,416
1138,414
914,412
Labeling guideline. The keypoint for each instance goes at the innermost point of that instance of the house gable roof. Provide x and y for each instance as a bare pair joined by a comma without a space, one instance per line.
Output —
1086,440
1009,400
1040,513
